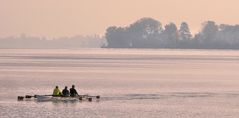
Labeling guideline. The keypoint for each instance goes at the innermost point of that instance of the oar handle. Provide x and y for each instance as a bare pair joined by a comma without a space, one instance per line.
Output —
35,96
28,96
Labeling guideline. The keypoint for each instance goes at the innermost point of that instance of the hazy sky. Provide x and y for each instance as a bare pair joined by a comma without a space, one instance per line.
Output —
54,18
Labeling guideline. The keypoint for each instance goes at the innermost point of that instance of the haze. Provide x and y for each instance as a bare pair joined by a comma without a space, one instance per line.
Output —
55,18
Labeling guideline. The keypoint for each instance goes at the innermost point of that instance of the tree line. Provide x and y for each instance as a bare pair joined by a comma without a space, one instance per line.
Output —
149,33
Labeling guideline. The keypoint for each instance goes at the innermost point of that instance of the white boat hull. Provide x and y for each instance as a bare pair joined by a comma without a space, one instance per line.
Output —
51,98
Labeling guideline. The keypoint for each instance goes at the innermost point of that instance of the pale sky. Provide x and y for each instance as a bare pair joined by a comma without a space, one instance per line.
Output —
55,18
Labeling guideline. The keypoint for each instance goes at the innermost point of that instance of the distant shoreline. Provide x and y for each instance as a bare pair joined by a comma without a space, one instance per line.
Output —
120,48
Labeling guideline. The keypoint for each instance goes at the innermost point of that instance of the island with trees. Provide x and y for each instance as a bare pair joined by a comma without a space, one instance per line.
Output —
149,33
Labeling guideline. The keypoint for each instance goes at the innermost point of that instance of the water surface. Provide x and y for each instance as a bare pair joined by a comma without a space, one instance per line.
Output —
132,83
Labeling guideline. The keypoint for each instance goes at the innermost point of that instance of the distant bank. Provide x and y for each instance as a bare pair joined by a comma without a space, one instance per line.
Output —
29,42
144,33
149,33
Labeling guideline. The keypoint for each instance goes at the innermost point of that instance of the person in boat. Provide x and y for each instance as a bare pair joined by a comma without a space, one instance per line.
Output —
73,91
65,92
57,91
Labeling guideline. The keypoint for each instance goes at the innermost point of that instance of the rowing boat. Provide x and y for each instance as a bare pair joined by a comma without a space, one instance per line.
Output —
45,98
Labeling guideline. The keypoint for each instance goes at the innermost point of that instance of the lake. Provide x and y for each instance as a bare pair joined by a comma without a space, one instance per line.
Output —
132,83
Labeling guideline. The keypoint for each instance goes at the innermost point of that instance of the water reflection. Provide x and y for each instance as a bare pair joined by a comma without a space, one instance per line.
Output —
65,103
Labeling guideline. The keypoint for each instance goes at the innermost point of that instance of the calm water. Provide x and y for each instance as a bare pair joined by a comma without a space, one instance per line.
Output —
132,83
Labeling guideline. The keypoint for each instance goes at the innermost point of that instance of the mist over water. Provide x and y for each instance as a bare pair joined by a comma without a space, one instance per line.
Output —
132,82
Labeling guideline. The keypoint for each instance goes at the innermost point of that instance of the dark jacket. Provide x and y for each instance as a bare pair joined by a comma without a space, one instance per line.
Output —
65,92
73,92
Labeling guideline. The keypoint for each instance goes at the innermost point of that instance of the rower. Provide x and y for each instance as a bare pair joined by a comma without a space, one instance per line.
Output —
73,91
65,92
56,92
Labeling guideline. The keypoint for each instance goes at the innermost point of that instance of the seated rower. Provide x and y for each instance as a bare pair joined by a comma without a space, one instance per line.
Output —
56,92
73,91
65,92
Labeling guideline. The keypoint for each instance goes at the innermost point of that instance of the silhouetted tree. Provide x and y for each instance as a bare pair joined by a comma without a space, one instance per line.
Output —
143,32
209,34
228,36
117,38
185,36
170,35
184,32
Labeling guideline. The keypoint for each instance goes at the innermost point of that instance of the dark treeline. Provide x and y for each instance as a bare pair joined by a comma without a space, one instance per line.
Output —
149,33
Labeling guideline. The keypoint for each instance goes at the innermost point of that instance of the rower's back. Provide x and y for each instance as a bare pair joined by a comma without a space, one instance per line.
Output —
56,92
65,92
73,91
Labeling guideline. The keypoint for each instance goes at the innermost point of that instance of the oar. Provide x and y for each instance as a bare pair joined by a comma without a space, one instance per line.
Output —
35,96
89,98
20,98
81,96
29,96
98,97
